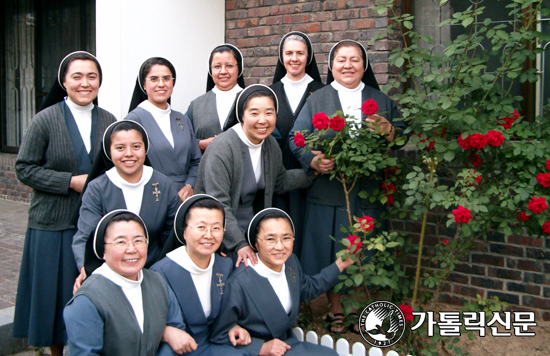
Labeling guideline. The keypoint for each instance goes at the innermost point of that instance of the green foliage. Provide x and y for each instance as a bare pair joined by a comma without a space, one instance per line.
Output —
463,91
466,90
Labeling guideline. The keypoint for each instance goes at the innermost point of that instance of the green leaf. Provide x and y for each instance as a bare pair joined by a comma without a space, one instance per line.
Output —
467,21
449,156
358,279
399,62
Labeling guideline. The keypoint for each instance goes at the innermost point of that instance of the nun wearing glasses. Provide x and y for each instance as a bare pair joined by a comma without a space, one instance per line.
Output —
243,168
264,299
197,274
55,157
210,112
173,148
122,308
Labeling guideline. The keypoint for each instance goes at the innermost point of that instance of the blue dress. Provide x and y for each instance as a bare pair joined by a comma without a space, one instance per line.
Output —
250,301
179,163
198,325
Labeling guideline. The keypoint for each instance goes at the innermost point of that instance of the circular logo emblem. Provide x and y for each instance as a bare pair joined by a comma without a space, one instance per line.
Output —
382,324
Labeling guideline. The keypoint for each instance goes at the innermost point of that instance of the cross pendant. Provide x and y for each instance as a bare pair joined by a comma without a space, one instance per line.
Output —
292,274
157,191
220,285
179,123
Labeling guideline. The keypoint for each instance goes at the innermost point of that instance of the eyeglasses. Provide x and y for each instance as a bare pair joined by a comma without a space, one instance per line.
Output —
122,244
202,229
155,80
272,241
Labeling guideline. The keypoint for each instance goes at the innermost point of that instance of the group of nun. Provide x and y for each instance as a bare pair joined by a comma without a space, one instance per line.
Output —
193,233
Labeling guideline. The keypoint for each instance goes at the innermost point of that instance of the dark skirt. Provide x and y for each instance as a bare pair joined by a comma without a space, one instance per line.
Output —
46,279
323,221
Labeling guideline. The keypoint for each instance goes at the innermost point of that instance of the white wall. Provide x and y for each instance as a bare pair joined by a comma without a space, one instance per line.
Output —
130,31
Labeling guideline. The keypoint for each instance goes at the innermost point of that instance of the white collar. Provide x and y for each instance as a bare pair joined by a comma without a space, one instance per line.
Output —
120,182
147,105
267,272
232,91
239,130
306,79
123,282
76,107
342,89
181,257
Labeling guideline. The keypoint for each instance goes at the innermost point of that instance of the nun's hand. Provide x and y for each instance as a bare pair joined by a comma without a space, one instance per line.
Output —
274,347
78,282
320,163
179,340
239,336
185,192
385,128
342,265
77,182
244,254
203,144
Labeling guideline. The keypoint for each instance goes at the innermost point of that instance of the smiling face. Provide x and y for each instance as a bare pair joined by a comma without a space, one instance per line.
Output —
158,93
82,81
128,154
203,234
295,59
225,70
347,67
274,256
129,261
259,118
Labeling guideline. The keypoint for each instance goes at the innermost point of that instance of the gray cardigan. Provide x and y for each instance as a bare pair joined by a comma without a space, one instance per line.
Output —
46,162
221,172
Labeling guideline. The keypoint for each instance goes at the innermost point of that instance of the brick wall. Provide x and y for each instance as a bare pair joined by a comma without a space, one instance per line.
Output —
516,269
257,26
10,187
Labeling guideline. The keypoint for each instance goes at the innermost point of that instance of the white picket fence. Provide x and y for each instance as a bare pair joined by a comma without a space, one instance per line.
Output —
342,345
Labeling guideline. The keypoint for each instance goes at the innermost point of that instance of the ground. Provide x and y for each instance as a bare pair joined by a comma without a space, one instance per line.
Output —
538,345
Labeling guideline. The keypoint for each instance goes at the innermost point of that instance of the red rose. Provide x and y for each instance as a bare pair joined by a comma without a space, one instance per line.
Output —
462,214
537,205
390,171
548,164
509,120
474,158
544,179
320,121
445,242
388,187
523,216
471,177
495,138
390,200
366,223
464,143
337,123
546,227
407,311
369,107
354,241
478,141
299,140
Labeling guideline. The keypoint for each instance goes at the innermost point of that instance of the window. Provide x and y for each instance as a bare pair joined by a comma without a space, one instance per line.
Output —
36,35
428,14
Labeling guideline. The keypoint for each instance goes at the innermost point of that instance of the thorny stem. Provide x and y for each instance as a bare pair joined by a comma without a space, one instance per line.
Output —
432,165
